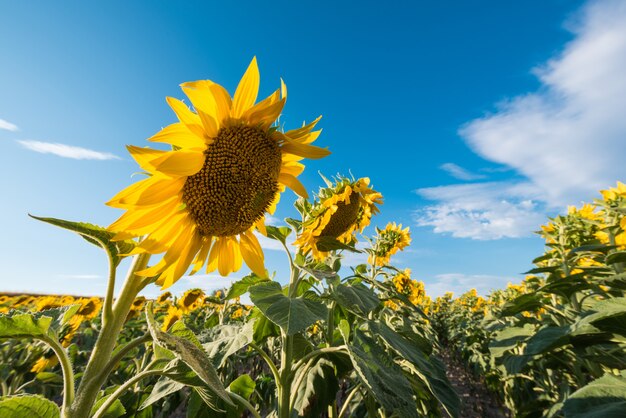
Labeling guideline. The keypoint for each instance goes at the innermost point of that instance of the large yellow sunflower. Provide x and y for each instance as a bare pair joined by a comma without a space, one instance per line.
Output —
388,242
342,209
203,199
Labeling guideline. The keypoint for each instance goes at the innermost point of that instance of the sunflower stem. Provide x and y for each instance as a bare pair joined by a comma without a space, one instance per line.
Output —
107,313
93,378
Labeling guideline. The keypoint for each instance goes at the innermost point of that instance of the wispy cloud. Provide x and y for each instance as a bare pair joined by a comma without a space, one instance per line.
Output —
80,276
481,211
8,126
66,151
460,173
460,283
566,139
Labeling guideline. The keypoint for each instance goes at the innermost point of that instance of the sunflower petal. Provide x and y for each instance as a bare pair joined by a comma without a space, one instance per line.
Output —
179,163
144,156
304,150
225,258
293,183
247,90
201,258
252,253
186,116
178,135
153,192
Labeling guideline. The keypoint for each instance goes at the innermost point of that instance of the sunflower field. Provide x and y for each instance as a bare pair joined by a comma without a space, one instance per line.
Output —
321,338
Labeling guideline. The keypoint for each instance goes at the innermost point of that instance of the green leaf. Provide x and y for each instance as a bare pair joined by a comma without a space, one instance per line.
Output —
243,386
49,377
95,235
357,298
240,287
602,398
527,302
431,373
320,271
28,406
290,314
278,233
508,338
547,339
163,387
227,340
610,315
331,244
18,324
318,390
263,327
380,375
188,352
115,411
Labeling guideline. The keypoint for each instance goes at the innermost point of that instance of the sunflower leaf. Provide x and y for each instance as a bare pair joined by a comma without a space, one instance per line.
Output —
188,352
95,235
278,233
291,314
28,406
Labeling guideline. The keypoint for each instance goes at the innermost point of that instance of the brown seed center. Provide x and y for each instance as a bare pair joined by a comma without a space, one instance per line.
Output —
345,216
237,183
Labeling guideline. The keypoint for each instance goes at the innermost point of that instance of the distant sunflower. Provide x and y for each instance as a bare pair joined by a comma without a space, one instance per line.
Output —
202,200
173,314
389,241
191,300
343,208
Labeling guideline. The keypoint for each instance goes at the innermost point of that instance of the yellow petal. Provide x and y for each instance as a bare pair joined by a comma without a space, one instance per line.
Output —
160,238
154,192
201,258
260,226
247,90
266,116
179,163
236,251
225,258
293,183
141,218
214,255
300,132
178,135
144,156
304,150
252,253
186,116
175,251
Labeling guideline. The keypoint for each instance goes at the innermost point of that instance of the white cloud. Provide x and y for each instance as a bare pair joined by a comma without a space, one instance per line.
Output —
8,126
67,151
80,276
569,137
460,283
460,173
481,211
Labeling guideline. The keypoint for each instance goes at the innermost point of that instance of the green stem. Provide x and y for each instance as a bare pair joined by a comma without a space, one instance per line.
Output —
93,379
113,397
330,330
107,310
68,373
245,403
346,403
117,357
268,360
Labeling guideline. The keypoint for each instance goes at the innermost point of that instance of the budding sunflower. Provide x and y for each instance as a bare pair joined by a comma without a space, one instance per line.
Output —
203,200
342,209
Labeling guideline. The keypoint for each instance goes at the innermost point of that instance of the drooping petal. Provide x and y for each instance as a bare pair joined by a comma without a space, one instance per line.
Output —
201,258
247,90
293,183
305,150
252,253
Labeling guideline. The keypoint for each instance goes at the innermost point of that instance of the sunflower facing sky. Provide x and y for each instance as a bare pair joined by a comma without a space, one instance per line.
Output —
388,242
228,165
342,209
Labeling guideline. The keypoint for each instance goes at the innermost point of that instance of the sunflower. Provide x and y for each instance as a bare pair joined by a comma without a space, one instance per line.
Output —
203,199
173,314
343,208
389,241
191,300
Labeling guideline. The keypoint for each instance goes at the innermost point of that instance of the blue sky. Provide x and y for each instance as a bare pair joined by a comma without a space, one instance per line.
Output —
475,120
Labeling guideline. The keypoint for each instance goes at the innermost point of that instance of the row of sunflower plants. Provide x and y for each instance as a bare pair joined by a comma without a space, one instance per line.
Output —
556,341
317,341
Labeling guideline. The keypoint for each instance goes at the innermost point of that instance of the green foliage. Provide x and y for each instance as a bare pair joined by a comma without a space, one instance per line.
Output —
28,406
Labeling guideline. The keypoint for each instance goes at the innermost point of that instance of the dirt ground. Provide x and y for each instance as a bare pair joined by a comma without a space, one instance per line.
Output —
476,400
